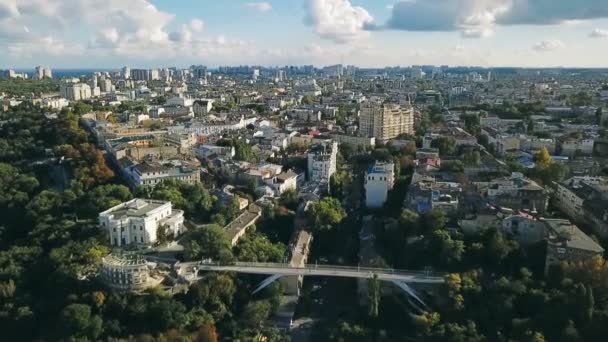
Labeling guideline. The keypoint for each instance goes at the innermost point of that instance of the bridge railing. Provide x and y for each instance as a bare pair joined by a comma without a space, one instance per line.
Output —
420,273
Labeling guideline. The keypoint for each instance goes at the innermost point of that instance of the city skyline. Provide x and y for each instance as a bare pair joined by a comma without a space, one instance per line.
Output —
151,33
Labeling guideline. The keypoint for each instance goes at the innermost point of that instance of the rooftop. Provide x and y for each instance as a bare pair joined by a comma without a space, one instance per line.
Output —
135,208
563,232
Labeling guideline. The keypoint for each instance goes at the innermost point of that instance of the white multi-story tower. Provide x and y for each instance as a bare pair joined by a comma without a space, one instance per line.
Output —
322,160
379,180
385,121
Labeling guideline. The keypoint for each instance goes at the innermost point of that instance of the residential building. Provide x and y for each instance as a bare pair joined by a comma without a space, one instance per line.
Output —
237,228
585,199
137,222
43,72
145,74
385,121
355,141
566,242
572,147
75,91
285,181
202,107
150,173
55,103
502,143
379,180
322,160
523,227
518,193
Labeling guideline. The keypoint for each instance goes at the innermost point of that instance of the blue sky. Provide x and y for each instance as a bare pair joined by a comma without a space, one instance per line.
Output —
148,33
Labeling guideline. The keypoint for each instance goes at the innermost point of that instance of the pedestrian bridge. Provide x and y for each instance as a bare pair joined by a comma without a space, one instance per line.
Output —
401,278
387,274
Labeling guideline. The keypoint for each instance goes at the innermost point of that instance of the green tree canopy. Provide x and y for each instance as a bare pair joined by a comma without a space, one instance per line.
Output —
326,213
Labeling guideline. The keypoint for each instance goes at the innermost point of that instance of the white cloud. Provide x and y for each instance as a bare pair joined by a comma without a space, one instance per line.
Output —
478,18
197,25
259,6
337,20
598,33
548,45
116,31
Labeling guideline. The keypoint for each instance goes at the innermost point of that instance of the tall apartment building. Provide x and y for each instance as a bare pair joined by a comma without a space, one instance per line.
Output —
379,180
145,74
322,160
126,72
75,91
42,72
105,84
385,121
137,222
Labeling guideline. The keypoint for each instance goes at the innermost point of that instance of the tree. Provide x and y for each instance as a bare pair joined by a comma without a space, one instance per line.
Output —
449,251
543,158
289,199
76,320
208,242
446,145
255,313
81,108
206,333
497,247
326,213
256,248
433,220
347,151
409,223
308,100
382,155
337,182
472,123
346,332
472,158
214,293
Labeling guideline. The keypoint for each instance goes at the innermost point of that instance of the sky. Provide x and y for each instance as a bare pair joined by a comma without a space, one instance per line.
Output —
367,33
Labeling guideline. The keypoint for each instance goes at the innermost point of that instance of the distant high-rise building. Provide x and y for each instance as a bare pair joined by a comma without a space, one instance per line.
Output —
385,121
416,72
199,71
75,91
145,74
105,85
140,74
42,72
39,74
334,70
126,73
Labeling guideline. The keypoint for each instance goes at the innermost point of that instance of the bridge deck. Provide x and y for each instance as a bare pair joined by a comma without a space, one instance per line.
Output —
322,270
